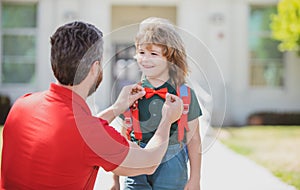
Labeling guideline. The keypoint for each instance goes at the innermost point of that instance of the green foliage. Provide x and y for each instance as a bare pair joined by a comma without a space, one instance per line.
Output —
285,25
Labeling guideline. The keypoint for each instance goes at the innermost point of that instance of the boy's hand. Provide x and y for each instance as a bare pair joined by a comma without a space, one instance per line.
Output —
172,108
115,187
116,184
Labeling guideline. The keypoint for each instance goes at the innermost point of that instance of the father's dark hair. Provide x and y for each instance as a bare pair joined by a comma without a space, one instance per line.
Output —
74,48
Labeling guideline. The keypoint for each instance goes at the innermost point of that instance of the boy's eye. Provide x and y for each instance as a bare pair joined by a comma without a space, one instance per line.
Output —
154,53
141,52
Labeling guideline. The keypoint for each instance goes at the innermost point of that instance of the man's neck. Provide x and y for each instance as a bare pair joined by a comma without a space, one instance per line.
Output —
75,88
157,82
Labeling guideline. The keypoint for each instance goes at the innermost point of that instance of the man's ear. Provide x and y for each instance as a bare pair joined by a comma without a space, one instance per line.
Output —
95,68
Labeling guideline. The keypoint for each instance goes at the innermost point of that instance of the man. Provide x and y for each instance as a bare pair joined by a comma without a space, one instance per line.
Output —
51,140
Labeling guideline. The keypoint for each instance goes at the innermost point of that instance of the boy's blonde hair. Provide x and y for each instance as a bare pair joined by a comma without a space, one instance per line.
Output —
160,32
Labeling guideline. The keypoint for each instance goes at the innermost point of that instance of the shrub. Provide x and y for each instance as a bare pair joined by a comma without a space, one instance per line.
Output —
274,118
4,108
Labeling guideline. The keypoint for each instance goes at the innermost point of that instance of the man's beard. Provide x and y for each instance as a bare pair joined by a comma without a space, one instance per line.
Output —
96,84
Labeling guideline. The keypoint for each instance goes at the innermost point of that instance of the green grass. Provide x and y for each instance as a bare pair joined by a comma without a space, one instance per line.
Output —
274,147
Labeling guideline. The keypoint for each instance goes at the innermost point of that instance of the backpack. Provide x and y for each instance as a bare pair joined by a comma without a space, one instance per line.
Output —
132,123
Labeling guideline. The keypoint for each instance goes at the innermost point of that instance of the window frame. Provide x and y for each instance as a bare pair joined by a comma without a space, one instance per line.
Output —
27,31
263,34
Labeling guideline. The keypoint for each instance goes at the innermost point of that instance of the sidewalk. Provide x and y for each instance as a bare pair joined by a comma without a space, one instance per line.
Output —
226,170
222,169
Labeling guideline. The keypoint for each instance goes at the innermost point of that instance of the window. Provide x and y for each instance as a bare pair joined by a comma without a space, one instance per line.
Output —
125,70
18,42
266,61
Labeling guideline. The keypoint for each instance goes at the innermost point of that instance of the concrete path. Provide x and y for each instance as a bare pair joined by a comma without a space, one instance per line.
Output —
222,169
225,170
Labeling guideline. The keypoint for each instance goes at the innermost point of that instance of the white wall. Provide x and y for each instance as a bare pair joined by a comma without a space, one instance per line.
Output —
245,99
54,13
209,24
46,27
239,66
228,42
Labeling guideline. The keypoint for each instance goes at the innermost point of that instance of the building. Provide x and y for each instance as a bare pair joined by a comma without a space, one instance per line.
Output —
236,67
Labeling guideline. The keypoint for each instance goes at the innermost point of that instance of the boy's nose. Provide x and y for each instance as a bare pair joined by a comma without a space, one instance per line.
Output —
145,57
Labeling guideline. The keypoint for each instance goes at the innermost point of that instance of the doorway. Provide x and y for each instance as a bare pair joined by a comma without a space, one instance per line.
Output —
125,22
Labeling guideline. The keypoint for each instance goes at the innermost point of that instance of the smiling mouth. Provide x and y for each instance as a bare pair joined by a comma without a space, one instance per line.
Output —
148,66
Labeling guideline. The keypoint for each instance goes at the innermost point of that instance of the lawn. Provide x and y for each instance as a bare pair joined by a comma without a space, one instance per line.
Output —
274,147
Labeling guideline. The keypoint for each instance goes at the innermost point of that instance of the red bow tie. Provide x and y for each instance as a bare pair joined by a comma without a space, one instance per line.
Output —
161,92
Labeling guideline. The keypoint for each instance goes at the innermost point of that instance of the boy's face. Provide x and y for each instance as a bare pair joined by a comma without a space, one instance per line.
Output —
152,62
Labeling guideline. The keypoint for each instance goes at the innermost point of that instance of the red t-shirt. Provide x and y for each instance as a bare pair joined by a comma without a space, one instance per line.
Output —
52,141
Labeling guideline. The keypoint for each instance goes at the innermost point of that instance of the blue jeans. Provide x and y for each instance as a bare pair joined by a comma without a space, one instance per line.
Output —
170,175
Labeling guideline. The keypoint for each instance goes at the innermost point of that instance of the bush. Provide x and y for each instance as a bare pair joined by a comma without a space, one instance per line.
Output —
4,108
273,118
285,25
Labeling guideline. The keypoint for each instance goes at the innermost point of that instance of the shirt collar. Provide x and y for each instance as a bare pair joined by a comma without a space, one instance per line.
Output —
168,84
69,95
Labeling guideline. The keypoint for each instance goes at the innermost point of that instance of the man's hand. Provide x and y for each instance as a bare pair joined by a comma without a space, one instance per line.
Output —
172,108
128,95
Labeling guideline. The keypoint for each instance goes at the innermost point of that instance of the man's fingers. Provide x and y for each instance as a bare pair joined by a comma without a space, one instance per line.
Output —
138,94
137,91
171,97
173,107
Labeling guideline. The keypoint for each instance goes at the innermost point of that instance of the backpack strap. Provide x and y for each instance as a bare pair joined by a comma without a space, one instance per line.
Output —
132,123
184,92
136,122
128,122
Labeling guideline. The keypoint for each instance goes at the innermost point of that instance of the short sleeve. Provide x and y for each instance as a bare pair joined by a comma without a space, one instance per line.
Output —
194,108
107,148
122,116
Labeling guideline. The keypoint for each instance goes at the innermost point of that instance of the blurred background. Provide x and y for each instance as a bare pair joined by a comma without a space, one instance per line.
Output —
260,81
248,76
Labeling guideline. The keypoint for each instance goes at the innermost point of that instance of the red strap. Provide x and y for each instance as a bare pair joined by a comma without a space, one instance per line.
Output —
183,121
135,111
131,122
132,115
136,123
128,123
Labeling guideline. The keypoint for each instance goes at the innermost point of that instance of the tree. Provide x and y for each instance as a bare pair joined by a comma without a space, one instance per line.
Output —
285,25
